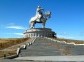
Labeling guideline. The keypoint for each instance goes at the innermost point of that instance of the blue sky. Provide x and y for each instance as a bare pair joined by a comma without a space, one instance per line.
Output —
67,17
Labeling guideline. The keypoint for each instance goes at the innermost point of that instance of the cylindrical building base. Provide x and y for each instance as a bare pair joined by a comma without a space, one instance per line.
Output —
39,32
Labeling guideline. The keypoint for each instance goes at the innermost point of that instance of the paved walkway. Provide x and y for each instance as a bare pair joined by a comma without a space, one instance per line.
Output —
51,58
41,47
47,47
46,50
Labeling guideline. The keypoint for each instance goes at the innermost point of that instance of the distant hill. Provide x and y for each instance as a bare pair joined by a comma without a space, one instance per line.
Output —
71,40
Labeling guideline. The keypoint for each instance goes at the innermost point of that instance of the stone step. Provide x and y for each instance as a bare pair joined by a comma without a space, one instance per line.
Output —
44,46
41,47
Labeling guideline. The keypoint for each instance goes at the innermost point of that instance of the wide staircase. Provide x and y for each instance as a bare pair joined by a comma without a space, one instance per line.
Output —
49,50
41,47
51,47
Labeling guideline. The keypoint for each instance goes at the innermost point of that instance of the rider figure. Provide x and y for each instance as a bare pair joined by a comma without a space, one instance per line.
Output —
39,11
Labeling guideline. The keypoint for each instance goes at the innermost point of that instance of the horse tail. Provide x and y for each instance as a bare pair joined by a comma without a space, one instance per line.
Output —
30,23
50,15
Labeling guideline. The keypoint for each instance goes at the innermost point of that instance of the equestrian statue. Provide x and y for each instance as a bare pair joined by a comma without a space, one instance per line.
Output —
40,17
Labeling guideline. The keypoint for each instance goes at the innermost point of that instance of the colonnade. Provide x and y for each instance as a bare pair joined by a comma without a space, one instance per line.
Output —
38,34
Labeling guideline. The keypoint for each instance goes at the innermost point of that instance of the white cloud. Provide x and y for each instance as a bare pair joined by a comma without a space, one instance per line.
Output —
13,33
14,26
18,33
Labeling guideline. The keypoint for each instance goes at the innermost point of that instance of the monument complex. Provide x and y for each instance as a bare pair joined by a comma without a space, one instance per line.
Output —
45,48
40,17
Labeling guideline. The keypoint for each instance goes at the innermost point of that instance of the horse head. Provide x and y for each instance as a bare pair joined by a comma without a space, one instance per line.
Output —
48,14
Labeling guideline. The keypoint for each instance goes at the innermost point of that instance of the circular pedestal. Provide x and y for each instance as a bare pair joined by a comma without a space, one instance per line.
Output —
39,32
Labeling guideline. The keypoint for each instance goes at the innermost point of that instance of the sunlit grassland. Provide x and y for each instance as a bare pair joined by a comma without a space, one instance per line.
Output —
5,43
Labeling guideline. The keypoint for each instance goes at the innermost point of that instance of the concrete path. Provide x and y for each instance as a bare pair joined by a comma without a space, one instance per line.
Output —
47,47
48,50
51,58
41,47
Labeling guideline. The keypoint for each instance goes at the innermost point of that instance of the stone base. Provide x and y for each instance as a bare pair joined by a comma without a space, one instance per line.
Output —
39,32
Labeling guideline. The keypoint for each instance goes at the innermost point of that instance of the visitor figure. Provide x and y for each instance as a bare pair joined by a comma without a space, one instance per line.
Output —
39,13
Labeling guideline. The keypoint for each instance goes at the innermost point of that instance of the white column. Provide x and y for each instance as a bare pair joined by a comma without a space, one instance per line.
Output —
28,35
31,34
35,34
38,34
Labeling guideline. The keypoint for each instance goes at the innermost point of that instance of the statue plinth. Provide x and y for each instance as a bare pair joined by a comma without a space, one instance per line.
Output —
39,32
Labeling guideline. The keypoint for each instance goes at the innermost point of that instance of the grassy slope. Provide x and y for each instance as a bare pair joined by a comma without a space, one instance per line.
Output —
71,40
5,43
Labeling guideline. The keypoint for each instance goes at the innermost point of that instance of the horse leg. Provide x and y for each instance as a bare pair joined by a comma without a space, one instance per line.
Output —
30,25
33,25
43,25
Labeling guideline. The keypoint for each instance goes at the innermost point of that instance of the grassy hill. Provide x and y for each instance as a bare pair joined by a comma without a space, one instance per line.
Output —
71,40
6,44
6,48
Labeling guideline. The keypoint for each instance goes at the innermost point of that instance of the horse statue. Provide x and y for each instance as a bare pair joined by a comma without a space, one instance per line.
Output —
40,17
